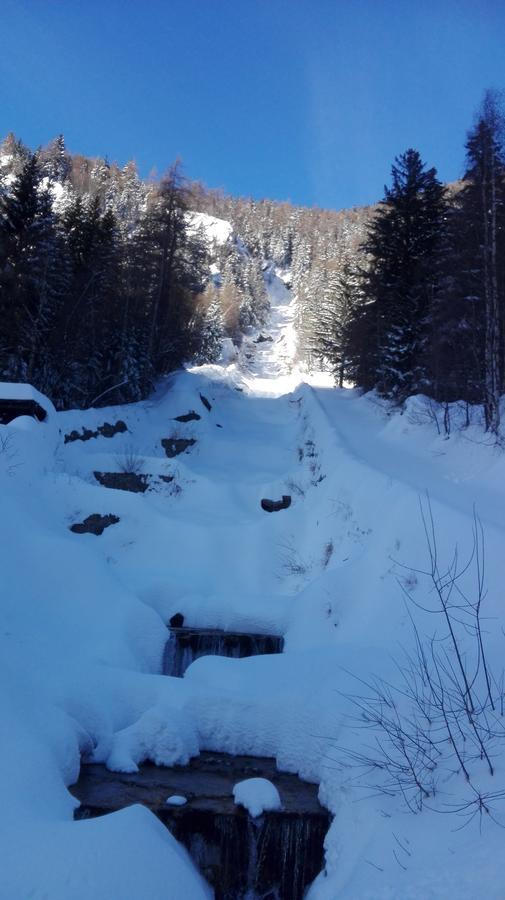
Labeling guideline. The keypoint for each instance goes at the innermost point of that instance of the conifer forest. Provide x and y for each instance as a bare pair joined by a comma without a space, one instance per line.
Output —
105,282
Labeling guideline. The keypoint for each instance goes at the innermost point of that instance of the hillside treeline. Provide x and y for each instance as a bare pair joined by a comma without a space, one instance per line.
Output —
100,281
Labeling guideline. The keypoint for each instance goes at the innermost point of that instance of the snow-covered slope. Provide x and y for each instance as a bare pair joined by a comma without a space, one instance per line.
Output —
83,618
214,231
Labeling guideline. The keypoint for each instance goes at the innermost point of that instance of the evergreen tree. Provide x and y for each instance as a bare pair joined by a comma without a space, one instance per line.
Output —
55,163
404,246
211,329
483,207
33,275
341,297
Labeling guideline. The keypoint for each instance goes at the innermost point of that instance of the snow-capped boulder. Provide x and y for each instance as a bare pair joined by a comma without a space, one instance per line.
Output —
257,795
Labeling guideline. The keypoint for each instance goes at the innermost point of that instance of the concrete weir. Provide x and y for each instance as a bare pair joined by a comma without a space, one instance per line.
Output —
272,857
187,644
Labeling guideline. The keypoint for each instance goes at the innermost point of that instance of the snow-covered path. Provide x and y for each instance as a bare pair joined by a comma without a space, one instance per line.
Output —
84,616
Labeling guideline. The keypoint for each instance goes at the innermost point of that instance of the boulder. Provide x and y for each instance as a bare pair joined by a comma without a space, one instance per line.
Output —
106,430
206,403
123,481
94,524
175,446
190,416
276,505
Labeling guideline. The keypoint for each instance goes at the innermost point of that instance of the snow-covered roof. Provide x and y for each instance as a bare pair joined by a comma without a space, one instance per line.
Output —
15,390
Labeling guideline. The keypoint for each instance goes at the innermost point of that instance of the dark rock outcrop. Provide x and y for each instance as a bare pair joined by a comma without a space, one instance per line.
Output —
94,524
123,481
263,338
175,446
276,505
206,403
276,855
190,416
106,430
176,621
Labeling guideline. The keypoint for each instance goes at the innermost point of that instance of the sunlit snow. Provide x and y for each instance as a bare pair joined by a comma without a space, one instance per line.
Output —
84,617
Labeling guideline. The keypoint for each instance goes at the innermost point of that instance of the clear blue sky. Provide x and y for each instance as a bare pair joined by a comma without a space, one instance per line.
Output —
308,100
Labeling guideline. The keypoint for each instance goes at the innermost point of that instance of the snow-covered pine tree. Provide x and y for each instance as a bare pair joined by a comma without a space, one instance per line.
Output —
403,244
341,297
209,326
55,162
33,277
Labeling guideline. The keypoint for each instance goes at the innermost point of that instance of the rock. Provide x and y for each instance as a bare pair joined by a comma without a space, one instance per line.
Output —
177,620
262,338
175,446
276,505
190,416
109,431
106,430
218,426
167,478
276,855
85,435
94,524
205,402
123,481
256,795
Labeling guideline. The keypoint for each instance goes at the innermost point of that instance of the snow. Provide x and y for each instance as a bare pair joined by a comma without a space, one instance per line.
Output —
215,231
17,391
176,800
84,617
256,795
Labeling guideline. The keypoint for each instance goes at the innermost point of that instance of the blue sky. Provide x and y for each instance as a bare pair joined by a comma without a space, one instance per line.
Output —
308,100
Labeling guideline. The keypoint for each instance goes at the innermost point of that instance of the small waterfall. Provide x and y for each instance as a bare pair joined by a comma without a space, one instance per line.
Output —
184,645
272,857
275,856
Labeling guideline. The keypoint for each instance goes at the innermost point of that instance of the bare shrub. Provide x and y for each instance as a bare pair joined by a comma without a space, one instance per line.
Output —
130,461
443,716
295,487
9,453
327,553
291,560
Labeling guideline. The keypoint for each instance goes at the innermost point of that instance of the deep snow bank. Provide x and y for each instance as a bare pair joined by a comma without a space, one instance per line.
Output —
83,618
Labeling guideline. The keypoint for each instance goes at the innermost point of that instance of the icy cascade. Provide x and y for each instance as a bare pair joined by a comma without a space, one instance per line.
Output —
274,855
267,358
187,644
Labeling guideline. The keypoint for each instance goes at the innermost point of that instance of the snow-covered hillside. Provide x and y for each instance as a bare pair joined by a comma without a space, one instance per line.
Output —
84,618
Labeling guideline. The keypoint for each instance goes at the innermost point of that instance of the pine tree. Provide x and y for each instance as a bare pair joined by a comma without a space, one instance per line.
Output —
342,296
210,330
33,276
403,244
55,163
483,206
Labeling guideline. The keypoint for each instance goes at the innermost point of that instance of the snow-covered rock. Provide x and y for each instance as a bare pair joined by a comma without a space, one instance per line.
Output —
214,230
257,795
